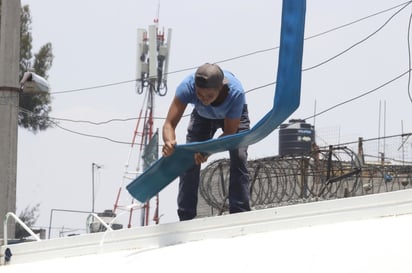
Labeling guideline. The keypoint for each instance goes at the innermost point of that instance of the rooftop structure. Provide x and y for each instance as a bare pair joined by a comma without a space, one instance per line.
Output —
357,234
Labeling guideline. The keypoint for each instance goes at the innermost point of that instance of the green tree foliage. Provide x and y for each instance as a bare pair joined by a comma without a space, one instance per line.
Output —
28,216
34,108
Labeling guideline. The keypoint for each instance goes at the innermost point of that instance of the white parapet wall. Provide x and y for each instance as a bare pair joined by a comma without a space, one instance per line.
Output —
360,234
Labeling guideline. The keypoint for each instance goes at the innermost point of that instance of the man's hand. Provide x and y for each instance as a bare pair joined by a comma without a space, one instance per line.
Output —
176,110
200,158
168,148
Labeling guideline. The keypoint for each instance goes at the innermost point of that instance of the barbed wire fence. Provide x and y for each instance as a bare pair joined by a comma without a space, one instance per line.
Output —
325,173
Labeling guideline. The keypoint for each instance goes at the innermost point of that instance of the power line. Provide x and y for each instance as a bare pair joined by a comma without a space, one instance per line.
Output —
318,114
253,89
357,21
251,53
77,132
93,136
409,58
374,139
94,122
250,90
359,42
361,95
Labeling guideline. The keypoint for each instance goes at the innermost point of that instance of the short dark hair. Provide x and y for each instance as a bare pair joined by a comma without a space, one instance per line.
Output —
209,76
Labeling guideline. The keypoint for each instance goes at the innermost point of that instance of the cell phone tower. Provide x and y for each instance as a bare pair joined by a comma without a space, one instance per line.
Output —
153,59
153,48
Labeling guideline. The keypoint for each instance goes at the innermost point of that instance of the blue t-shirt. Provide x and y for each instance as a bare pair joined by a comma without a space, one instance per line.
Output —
231,107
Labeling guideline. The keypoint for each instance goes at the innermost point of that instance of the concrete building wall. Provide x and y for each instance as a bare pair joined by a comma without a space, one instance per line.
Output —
9,102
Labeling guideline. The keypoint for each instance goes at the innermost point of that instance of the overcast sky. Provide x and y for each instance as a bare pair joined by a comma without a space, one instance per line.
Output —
95,42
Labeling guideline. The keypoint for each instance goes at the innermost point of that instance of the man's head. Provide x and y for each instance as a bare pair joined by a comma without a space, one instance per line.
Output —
209,80
209,76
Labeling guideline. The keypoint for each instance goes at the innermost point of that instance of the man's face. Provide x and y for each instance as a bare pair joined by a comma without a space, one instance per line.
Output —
207,95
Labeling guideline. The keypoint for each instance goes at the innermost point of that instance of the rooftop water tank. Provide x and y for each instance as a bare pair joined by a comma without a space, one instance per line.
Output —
296,137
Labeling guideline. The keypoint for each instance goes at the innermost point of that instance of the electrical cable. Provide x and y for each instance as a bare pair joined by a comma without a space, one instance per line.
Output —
89,135
409,58
240,56
359,42
361,95
315,115
76,132
94,122
262,86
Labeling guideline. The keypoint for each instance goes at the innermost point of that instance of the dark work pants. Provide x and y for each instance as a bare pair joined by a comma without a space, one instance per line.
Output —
201,129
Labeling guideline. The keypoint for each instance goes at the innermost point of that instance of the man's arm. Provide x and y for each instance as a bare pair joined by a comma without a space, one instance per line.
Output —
174,115
231,126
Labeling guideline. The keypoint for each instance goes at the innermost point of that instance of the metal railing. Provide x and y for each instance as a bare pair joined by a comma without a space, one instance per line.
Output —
17,219
94,215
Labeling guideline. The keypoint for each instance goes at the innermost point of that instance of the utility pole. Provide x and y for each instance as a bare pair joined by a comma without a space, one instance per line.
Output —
94,167
9,102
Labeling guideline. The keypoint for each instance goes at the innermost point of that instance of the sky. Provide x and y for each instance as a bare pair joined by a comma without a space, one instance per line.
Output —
95,43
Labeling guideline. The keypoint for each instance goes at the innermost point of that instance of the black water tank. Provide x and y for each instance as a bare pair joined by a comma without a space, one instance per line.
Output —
296,137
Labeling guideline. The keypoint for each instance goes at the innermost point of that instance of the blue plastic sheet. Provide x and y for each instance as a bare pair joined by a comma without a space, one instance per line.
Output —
286,101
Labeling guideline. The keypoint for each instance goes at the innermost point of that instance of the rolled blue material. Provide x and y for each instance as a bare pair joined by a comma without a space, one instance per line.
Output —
286,101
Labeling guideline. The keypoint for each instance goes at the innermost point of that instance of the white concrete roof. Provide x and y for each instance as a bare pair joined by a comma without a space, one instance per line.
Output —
360,234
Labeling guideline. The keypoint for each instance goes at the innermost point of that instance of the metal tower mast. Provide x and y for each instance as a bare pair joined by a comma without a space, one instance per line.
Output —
152,66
